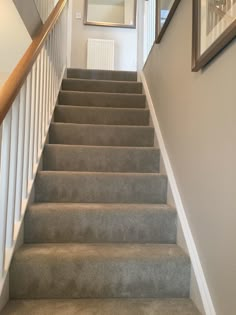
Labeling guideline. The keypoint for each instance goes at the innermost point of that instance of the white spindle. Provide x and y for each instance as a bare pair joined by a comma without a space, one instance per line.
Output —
32,125
46,115
40,90
4,184
20,153
28,131
51,72
37,112
12,173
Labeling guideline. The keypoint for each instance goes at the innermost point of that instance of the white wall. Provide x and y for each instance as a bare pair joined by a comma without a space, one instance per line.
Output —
125,41
196,112
14,38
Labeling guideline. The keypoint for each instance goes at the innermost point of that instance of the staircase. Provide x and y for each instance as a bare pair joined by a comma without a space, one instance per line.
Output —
100,238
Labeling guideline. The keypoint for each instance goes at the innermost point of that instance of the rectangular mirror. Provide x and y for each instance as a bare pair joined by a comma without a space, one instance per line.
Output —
165,12
114,13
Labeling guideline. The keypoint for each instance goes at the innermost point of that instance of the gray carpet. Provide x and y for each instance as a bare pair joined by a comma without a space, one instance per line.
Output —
100,238
102,307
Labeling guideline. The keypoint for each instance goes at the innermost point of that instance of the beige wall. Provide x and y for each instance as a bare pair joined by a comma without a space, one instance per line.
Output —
29,15
14,38
125,41
197,115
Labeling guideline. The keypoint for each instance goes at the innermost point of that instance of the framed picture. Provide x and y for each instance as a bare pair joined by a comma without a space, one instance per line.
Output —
165,10
214,26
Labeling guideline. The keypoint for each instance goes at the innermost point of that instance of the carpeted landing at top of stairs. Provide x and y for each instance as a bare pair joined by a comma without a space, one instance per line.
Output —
100,238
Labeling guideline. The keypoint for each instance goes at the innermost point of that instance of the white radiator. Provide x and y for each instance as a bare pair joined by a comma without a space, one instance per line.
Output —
100,54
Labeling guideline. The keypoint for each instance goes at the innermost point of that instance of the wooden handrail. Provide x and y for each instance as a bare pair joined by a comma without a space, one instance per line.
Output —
12,86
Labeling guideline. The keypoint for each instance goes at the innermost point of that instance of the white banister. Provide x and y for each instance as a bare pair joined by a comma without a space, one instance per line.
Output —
23,134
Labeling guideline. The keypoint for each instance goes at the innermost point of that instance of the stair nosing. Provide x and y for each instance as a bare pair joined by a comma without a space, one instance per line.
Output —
124,205
126,174
104,81
102,126
124,303
179,252
102,70
104,108
102,147
100,93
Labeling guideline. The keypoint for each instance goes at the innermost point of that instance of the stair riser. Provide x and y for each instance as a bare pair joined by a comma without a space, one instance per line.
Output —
101,135
86,115
95,187
100,225
95,159
102,75
100,278
102,99
101,86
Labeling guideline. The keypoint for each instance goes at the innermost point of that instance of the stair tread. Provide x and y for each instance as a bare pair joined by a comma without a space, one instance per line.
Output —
72,270
101,115
120,100
100,223
102,108
102,307
98,206
105,187
140,95
93,134
99,252
99,158
102,74
104,126
71,84
104,147
104,81
125,174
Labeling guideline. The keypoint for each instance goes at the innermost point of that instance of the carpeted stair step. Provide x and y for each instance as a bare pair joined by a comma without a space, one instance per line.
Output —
102,86
101,115
102,307
100,223
102,74
103,135
99,271
59,157
101,99
54,186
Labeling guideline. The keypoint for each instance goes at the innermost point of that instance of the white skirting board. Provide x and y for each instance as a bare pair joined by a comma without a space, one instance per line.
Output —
196,264
100,54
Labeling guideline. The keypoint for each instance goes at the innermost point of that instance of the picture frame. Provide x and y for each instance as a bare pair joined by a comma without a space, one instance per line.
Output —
212,33
164,13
